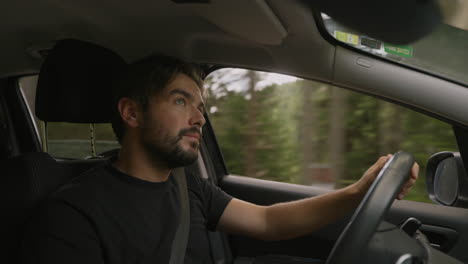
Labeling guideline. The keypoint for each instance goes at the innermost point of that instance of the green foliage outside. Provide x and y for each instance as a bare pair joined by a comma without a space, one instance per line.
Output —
78,149
69,140
275,146
372,128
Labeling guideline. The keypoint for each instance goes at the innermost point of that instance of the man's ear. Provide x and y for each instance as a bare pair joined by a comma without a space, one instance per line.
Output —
129,112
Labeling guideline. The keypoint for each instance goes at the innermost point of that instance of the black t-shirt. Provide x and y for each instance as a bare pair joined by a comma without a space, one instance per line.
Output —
105,216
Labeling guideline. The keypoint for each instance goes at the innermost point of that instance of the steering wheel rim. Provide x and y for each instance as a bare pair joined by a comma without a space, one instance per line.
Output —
372,209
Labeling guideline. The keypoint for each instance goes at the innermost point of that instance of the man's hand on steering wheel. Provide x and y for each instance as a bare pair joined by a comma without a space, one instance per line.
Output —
369,176
389,178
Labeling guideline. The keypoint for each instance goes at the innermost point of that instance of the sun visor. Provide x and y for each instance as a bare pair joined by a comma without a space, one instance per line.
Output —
75,83
251,20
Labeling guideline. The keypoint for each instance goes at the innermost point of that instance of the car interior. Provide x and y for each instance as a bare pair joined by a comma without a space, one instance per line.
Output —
74,50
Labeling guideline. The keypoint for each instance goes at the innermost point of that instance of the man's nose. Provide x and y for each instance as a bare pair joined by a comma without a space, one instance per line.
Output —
198,118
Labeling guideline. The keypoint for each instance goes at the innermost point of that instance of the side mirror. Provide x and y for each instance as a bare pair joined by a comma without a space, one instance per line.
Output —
446,179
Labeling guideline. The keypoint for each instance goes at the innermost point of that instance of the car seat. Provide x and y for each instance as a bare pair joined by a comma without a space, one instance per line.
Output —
74,86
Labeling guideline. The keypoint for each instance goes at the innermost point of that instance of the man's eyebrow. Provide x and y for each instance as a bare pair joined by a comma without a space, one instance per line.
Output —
182,92
188,96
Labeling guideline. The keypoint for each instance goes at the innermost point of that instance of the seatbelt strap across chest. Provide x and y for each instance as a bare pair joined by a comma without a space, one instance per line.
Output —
179,245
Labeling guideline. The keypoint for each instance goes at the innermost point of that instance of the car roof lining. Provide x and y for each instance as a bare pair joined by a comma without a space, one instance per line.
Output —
194,33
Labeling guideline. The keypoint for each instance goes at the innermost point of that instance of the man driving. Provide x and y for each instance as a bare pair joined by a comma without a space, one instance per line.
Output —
128,209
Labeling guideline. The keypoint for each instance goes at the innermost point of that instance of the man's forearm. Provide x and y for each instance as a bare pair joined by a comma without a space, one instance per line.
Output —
298,218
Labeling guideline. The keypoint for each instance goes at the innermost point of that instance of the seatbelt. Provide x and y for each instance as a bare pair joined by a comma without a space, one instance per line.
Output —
179,245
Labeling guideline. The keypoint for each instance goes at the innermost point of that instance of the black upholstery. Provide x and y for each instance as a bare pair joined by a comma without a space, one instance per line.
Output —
30,178
75,81
74,86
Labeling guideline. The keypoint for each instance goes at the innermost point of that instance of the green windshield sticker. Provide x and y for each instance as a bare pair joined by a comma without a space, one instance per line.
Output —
347,37
404,51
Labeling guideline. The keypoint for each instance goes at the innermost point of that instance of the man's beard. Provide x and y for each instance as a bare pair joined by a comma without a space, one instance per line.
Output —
165,150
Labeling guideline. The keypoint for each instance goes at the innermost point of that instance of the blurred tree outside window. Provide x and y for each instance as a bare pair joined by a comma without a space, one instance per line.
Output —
286,129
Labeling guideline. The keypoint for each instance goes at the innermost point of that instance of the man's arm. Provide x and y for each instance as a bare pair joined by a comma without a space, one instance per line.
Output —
292,219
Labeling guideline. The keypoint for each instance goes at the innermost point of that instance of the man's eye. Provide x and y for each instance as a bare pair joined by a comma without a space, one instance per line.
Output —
180,101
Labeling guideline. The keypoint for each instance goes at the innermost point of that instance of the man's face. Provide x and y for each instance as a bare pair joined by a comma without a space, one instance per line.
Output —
171,132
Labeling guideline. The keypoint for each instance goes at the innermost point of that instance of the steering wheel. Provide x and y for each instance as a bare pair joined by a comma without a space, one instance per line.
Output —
370,212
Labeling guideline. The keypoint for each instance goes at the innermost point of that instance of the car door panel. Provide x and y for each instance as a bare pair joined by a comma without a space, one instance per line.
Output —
435,219
443,225
265,192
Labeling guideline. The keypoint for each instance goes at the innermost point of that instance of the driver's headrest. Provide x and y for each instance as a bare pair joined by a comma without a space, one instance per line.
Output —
75,83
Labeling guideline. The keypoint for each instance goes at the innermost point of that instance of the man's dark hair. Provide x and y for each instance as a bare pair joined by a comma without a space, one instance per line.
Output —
147,77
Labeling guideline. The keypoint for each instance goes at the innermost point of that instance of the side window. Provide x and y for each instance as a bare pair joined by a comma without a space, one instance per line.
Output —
67,140
281,128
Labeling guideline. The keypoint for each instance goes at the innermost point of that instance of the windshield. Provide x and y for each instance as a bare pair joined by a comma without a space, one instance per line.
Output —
442,53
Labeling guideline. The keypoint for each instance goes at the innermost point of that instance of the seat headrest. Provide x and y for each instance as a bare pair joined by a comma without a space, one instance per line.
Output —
75,83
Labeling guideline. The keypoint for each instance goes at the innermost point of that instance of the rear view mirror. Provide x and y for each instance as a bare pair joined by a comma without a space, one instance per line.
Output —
446,179
401,22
